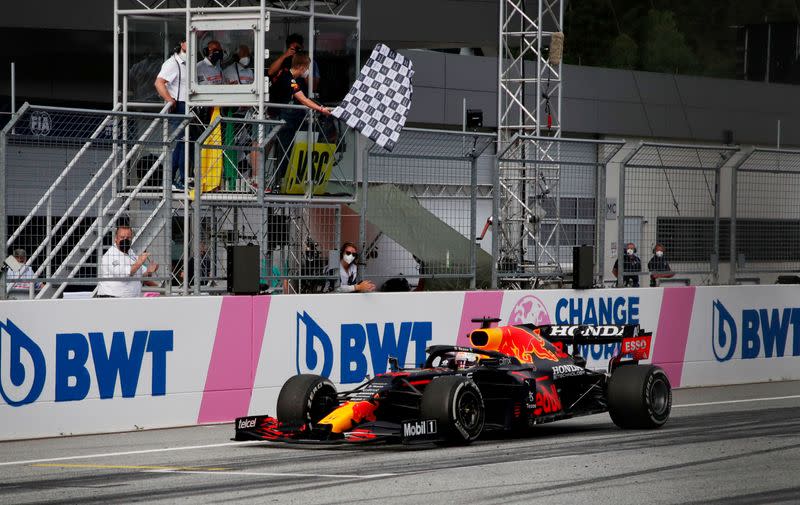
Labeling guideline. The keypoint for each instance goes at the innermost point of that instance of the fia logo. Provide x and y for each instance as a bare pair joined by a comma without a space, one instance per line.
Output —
22,366
41,122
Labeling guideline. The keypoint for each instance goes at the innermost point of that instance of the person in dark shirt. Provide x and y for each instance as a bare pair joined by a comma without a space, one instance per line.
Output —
291,88
283,63
658,265
631,263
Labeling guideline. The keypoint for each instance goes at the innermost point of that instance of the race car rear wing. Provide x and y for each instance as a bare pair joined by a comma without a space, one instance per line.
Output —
635,342
587,334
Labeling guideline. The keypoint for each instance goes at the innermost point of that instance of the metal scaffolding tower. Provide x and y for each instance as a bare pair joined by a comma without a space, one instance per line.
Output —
529,124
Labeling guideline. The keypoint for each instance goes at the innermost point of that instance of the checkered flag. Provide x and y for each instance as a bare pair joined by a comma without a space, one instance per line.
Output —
378,103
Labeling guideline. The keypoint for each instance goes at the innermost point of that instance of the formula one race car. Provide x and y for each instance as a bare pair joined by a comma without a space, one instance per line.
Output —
510,379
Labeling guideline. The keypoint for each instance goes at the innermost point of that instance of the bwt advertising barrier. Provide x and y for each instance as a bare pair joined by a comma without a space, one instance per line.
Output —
88,366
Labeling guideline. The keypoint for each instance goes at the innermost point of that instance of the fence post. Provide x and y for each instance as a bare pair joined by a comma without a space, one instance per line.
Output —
3,217
198,188
716,254
600,219
621,215
495,216
166,183
734,184
362,218
473,221
621,223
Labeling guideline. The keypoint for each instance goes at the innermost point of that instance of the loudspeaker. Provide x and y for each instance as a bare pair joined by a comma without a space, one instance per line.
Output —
582,267
243,269
474,118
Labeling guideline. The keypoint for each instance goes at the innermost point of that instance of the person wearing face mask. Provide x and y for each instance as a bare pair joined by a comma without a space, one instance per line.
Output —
658,265
292,86
120,261
239,72
632,263
172,87
209,69
348,272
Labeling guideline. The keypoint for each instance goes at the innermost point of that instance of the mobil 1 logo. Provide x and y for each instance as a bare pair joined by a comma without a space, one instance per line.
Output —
419,431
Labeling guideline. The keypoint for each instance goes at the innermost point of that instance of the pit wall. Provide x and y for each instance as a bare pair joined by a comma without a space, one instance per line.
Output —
89,366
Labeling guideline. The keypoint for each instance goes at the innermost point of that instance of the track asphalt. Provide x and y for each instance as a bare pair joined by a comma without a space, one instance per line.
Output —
722,445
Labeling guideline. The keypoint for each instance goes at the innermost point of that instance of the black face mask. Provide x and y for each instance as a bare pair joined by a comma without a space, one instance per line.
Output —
215,57
124,245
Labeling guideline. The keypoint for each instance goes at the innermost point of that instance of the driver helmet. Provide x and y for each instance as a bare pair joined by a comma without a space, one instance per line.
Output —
466,360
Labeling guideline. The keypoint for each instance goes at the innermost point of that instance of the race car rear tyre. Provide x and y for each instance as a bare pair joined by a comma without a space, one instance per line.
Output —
456,404
306,398
639,396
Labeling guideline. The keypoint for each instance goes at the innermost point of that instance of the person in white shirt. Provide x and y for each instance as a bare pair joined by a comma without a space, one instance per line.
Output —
209,70
172,87
239,72
120,261
26,272
348,272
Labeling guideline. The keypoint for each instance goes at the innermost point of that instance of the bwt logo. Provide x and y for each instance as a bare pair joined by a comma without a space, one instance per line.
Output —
761,328
359,346
23,367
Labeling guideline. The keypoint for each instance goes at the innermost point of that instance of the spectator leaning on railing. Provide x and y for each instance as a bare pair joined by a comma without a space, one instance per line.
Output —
121,261
348,272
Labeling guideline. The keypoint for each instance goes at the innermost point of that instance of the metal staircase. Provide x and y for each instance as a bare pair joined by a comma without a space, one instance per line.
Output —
111,143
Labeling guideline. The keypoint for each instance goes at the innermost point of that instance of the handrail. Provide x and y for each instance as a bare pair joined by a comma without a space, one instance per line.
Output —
57,182
102,189
111,222
105,209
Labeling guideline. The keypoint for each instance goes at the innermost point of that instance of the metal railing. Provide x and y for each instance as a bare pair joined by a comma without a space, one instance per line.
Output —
79,159
442,210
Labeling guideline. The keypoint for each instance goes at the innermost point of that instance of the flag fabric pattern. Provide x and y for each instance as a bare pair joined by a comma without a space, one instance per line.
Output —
377,104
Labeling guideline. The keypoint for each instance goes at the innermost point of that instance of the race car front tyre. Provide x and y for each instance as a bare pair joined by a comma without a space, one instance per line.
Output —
306,398
639,396
456,404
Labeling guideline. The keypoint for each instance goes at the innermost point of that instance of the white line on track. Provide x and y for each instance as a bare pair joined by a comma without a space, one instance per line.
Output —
127,453
227,444
277,474
723,402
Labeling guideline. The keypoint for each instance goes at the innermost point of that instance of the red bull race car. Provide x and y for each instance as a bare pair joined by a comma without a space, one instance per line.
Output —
510,379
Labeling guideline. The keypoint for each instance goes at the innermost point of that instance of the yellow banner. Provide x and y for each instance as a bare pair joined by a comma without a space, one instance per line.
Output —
294,183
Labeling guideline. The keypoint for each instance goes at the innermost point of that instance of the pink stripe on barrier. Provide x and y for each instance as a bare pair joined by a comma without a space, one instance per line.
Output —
477,304
672,332
234,358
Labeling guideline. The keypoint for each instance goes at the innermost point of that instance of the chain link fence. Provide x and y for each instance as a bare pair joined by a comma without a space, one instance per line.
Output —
765,229
422,205
68,183
426,214
669,197
551,199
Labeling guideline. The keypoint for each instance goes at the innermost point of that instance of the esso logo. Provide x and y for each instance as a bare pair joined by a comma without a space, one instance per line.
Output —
634,345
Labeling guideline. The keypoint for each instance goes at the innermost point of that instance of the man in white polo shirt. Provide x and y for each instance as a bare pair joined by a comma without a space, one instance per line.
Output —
172,86
120,261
